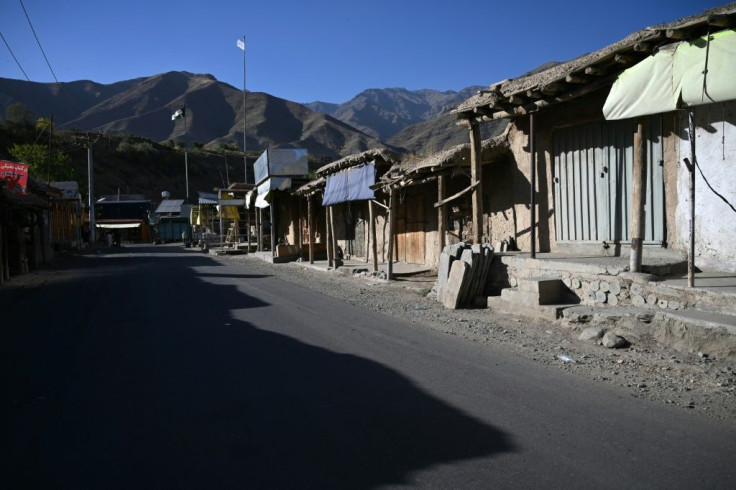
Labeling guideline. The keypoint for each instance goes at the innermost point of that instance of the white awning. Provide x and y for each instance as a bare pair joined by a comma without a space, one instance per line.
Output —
117,226
676,76
263,199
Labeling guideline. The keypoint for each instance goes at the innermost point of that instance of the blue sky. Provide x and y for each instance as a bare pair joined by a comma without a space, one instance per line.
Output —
317,50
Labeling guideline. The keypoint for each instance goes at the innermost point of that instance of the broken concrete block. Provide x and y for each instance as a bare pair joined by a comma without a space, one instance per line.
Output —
453,291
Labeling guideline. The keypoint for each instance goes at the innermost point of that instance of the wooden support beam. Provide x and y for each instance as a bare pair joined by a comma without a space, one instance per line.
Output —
534,94
476,175
328,238
639,191
595,71
643,47
391,225
553,88
722,20
332,233
456,195
572,78
624,59
373,236
380,204
441,215
310,230
678,34
517,99
272,217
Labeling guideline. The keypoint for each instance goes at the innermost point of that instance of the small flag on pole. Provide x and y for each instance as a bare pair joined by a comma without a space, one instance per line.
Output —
241,44
178,115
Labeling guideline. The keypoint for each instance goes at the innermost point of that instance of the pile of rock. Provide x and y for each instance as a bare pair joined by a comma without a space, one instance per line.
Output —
462,273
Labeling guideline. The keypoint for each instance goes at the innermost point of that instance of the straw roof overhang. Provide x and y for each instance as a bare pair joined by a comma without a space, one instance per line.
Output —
588,73
310,188
382,157
424,170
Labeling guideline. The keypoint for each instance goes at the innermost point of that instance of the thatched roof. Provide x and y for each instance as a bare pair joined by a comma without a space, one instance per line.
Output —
311,187
420,170
589,72
382,157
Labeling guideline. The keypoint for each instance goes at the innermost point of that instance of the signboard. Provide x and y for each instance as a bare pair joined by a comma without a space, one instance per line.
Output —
15,176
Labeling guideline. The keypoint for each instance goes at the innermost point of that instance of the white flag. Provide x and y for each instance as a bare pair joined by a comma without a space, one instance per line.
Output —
241,44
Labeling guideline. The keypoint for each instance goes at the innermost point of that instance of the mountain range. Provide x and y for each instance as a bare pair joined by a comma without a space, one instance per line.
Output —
407,121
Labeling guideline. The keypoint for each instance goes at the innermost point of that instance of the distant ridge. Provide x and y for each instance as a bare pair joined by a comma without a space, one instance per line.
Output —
143,107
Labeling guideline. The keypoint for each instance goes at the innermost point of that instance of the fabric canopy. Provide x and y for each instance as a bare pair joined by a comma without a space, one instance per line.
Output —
676,75
263,199
352,184
118,226
228,212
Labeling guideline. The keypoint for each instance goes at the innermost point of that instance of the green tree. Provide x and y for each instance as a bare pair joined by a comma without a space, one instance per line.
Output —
18,113
57,168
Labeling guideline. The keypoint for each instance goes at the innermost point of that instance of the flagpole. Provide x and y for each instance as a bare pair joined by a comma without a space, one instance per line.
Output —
245,157
186,162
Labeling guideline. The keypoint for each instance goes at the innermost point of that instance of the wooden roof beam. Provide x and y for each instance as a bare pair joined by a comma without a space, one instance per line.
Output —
553,88
517,99
643,47
573,78
625,59
678,34
722,20
595,71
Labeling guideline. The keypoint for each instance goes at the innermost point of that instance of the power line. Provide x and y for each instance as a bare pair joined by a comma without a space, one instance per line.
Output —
13,55
37,41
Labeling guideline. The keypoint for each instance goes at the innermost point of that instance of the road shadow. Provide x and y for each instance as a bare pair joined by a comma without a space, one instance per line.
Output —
168,390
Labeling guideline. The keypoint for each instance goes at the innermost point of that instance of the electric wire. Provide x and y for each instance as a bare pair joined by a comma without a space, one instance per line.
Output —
37,41
13,55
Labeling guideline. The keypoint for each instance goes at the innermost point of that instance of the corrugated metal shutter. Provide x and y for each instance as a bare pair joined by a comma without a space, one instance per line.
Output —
593,181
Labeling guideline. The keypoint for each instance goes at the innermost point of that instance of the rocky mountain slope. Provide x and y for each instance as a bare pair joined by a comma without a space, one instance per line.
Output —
143,107
382,113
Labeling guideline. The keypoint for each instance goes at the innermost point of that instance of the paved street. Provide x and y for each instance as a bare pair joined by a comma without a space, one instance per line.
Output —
156,367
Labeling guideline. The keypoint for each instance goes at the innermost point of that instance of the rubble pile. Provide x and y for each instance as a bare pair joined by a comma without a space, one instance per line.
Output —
462,273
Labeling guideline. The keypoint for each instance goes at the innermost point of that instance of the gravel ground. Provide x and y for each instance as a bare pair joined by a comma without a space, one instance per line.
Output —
702,385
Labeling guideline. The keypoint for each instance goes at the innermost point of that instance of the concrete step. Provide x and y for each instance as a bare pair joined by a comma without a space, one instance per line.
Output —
500,304
547,291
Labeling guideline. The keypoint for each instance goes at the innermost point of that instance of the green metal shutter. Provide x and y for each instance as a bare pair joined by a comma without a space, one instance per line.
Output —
593,182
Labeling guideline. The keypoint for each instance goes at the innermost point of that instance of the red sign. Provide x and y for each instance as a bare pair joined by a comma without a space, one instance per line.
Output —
15,176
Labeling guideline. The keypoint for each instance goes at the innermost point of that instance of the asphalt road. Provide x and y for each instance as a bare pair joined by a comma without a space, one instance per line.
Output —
155,367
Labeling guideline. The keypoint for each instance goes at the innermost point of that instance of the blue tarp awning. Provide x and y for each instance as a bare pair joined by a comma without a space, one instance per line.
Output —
352,184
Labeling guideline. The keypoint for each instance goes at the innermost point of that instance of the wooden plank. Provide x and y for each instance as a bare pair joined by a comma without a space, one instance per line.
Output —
455,196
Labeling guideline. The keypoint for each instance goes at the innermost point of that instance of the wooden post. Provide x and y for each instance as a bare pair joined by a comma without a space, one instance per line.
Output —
476,176
310,232
332,234
247,219
259,225
272,216
374,244
328,238
533,194
691,167
391,222
639,195
300,227
441,218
